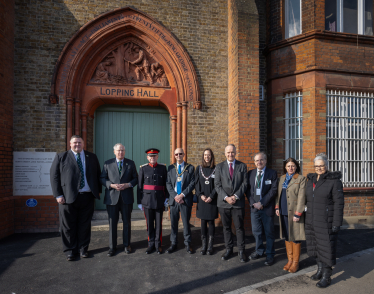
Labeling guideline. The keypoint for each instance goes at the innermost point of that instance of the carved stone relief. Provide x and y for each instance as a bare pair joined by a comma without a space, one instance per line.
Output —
132,63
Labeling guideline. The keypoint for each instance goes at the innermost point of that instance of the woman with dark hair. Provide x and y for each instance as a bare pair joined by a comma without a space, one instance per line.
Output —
290,204
324,216
206,194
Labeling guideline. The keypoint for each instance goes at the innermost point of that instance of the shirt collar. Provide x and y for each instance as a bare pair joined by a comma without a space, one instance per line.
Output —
233,163
117,160
75,153
263,170
182,164
152,165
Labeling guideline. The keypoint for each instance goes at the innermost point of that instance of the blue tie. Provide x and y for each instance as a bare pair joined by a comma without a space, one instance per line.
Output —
179,184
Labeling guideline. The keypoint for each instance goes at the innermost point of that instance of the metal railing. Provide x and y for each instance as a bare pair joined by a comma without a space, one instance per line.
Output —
350,136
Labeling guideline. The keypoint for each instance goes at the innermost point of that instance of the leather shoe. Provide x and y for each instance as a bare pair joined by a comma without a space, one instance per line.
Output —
226,255
242,256
128,249
269,261
84,254
149,250
70,257
189,249
255,256
171,248
111,252
159,250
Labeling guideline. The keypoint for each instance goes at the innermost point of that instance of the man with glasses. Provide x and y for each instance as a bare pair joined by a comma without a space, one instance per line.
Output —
119,176
180,183
261,193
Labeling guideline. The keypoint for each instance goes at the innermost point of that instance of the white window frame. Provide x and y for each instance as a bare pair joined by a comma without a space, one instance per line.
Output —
294,100
350,136
360,16
286,19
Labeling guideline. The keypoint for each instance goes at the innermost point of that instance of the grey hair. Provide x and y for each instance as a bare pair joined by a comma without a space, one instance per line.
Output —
231,145
260,153
322,156
118,144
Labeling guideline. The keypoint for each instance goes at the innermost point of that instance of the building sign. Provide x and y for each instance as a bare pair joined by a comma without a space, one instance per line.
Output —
31,173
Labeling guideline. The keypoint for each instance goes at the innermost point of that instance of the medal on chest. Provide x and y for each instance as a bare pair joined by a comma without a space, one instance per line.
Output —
205,177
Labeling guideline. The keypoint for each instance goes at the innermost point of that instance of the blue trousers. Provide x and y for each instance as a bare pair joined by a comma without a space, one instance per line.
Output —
261,220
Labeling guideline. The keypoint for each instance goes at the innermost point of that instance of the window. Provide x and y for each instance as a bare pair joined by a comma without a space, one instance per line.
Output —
293,126
293,17
349,16
350,136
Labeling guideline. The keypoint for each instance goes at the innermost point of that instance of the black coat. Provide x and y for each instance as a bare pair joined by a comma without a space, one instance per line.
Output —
324,210
206,211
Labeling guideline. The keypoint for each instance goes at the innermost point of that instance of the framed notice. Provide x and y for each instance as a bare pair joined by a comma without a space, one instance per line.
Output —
31,173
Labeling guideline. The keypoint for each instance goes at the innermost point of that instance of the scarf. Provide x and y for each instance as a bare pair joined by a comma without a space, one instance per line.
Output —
287,181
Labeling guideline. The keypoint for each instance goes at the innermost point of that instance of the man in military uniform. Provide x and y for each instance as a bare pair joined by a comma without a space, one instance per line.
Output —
152,196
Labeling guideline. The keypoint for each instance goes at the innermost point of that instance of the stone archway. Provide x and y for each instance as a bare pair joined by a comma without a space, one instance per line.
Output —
125,57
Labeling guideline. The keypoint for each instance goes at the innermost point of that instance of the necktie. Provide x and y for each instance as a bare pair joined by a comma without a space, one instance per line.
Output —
179,184
259,179
231,170
120,167
80,165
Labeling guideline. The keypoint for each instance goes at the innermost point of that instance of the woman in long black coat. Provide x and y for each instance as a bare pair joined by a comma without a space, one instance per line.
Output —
206,194
324,216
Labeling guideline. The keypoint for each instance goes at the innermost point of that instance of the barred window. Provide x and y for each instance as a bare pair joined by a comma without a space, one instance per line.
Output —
350,136
293,126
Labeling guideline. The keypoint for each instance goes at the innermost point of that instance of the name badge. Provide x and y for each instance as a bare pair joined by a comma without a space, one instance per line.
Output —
213,176
268,182
258,191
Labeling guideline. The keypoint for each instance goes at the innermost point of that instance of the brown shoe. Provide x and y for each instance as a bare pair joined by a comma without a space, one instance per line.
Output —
296,256
289,255
159,250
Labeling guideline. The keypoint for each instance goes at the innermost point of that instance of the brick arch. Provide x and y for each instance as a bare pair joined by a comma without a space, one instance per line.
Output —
94,41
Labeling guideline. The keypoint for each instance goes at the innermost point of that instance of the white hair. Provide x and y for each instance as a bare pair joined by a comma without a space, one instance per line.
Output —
322,156
118,144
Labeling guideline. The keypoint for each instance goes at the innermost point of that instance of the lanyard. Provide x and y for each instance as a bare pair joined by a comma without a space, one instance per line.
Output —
259,181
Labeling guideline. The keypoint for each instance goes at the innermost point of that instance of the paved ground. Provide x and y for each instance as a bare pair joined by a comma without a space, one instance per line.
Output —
34,263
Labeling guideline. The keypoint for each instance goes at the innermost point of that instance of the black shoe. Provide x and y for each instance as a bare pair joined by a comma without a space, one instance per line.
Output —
127,249
203,245
242,256
318,275
171,248
111,252
189,249
84,254
71,257
255,256
326,278
210,245
150,249
226,255
159,250
269,261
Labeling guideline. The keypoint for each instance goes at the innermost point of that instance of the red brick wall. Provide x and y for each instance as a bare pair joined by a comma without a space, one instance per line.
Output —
6,116
313,15
360,203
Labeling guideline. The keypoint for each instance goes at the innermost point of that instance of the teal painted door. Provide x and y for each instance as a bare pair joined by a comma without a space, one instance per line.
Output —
137,129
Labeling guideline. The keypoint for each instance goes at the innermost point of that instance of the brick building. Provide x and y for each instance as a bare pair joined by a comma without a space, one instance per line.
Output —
290,77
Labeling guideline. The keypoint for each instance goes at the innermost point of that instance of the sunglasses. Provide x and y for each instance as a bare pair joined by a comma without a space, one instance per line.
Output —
178,154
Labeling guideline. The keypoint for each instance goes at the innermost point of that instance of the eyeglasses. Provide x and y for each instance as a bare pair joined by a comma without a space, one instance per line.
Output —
178,154
260,160
319,166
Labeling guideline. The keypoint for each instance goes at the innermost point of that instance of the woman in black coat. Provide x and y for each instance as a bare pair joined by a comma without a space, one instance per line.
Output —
206,194
324,216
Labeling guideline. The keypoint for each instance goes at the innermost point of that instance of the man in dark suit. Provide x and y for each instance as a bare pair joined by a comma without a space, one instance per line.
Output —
261,192
180,184
119,176
152,195
231,184
75,181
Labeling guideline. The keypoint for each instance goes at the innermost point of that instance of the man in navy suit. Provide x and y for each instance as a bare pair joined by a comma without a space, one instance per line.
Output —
261,192
119,176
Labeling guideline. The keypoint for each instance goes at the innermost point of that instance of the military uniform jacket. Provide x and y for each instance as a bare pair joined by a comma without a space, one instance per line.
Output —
152,190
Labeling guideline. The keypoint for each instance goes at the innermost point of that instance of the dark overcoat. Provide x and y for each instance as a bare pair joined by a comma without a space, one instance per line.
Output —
325,204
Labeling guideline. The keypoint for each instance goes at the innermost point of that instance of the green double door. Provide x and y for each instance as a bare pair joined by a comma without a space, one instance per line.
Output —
137,128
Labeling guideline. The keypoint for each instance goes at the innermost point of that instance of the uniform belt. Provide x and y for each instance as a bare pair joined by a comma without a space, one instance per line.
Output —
153,188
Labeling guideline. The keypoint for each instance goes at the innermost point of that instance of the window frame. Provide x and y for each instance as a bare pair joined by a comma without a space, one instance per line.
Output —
286,12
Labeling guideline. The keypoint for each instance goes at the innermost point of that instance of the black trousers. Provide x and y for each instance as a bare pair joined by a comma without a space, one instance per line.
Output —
237,215
75,223
185,212
212,227
113,217
154,226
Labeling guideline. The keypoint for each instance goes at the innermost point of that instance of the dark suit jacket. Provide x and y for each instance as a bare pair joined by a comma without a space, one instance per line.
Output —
227,187
268,192
66,176
188,184
110,175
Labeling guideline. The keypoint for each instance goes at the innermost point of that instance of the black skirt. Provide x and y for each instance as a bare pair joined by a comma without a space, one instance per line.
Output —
206,211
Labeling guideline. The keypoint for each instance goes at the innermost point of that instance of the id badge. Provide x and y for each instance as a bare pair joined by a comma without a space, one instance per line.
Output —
268,182
258,191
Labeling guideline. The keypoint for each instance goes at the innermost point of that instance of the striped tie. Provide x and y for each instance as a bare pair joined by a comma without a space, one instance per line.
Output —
80,165
120,167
